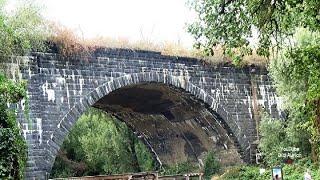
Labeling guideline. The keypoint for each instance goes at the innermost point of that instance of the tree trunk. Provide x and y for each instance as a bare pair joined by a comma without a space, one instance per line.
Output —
315,144
314,152
132,142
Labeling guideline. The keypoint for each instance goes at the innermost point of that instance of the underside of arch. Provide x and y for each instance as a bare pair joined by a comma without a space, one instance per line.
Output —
173,123
177,120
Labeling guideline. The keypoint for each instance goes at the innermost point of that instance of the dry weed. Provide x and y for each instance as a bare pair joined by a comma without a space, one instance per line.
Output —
70,44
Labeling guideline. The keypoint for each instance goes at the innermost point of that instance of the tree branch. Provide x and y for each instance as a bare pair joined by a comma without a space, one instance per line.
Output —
224,4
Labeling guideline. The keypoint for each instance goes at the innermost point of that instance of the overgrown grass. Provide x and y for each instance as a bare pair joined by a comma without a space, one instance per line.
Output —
69,43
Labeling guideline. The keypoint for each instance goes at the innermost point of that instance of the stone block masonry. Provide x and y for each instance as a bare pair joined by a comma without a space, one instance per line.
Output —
60,89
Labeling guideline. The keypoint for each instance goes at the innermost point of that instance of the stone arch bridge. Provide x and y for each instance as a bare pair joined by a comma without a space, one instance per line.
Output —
180,107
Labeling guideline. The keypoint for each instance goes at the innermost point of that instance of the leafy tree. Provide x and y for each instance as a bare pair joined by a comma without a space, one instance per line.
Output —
21,30
230,23
99,144
273,139
278,134
295,69
145,159
296,75
12,144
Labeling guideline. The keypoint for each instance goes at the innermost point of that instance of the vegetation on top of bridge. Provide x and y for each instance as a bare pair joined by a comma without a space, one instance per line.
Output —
65,42
133,54
22,30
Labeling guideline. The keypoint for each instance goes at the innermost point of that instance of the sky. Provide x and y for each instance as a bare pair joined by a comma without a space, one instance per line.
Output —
152,20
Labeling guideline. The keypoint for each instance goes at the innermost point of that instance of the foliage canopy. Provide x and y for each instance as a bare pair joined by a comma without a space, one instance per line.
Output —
296,75
99,144
231,23
296,67
21,30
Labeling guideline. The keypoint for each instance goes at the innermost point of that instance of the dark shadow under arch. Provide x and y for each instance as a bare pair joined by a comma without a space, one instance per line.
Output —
178,82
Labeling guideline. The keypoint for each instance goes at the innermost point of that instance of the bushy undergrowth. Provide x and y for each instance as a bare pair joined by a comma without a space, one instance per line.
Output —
179,168
211,165
101,145
290,172
245,172
21,30
12,145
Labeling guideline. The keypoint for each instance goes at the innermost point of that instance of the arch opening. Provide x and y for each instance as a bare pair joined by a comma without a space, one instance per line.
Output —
164,88
175,125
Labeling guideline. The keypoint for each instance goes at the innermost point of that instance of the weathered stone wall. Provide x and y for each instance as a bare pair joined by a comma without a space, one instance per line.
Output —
61,89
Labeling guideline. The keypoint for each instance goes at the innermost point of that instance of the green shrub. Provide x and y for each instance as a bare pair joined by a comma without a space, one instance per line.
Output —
272,139
246,172
211,165
145,159
22,29
253,172
179,168
12,154
296,74
99,144
12,145
295,171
